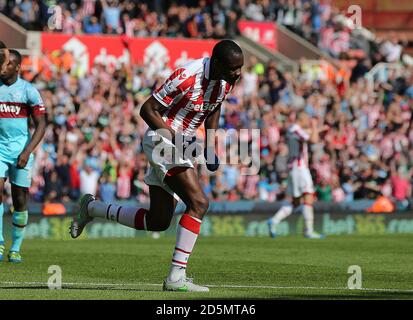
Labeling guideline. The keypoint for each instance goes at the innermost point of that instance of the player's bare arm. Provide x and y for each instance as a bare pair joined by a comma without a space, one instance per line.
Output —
151,113
40,123
211,122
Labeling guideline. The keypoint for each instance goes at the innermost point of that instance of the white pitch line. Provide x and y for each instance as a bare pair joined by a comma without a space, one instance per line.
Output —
228,286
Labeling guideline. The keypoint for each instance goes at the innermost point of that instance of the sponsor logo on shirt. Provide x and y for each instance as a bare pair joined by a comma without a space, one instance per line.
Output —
183,76
10,108
204,106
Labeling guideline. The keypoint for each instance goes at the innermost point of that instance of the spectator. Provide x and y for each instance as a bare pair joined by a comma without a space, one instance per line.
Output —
124,183
391,49
401,188
107,189
52,187
337,192
111,15
324,192
63,175
88,179
26,12
92,26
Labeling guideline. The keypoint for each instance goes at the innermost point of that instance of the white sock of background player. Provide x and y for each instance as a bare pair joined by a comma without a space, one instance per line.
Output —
308,213
281,214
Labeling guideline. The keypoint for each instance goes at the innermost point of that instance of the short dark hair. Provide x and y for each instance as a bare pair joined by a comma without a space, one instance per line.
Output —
225,48
2,45
17,55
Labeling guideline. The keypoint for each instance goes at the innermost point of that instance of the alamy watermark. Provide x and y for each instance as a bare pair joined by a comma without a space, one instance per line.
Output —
231,147
55,280
355,280
355,16
55,21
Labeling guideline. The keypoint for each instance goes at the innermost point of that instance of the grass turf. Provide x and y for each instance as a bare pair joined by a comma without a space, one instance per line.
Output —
234,267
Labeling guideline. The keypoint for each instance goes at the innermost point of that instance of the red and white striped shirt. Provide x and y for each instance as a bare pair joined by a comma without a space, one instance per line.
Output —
297,146
190,95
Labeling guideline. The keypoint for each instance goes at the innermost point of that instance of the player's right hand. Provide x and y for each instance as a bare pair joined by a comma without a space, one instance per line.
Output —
23,159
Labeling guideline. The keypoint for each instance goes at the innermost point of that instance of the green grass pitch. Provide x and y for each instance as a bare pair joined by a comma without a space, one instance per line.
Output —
233,267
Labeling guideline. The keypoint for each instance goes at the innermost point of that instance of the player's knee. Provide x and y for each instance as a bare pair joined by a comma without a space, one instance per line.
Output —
308,199
158,225
20,207
20,200
199,205
20,204
164,225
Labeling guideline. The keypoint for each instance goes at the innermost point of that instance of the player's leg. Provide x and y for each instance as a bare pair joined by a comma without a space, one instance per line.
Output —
157,218
282,213
20,180
305,192
186,185
20,218
2,248
292,192
308,214
308,208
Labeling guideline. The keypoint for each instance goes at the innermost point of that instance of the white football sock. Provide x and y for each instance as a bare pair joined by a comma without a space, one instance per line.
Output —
187,234
281,214
308,213
128,216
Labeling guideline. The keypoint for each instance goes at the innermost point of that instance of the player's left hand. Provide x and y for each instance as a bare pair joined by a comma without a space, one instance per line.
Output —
23,159
211,165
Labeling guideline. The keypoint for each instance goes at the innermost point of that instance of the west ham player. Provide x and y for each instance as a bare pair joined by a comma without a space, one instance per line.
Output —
300,186
19,100
192,95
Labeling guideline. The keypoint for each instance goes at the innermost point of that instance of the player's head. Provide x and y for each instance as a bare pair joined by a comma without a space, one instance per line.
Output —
4,55
12,69
227,60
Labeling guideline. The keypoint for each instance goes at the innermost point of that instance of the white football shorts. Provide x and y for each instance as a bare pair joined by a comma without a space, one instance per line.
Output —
162,158
300,182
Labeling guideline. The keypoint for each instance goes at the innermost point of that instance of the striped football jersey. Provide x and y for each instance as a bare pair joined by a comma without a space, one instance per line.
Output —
189,95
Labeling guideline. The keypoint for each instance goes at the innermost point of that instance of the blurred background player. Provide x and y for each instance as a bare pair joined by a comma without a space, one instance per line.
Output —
191,96
18,100
300,183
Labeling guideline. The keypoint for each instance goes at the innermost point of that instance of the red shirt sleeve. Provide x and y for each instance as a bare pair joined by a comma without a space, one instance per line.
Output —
178,82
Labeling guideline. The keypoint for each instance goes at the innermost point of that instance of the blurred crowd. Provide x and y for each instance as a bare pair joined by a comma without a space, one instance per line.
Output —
318,21
93,142
140,18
